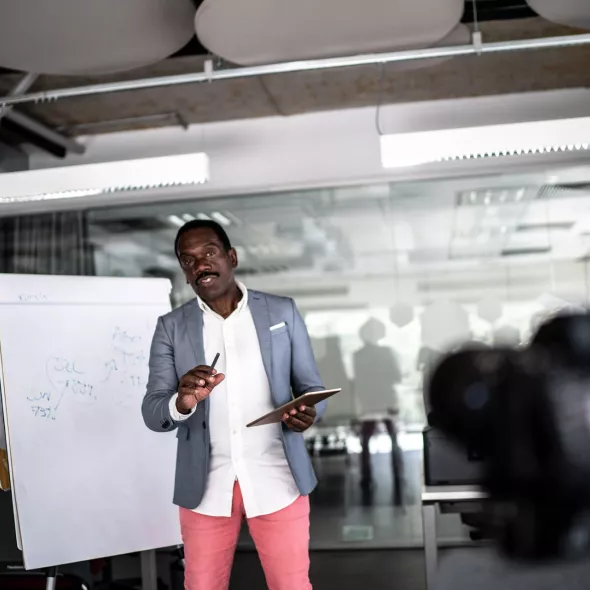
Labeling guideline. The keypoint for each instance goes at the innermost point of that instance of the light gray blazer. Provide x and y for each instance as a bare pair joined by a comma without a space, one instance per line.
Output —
290,366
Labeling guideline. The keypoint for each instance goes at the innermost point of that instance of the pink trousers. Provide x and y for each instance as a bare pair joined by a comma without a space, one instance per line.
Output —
281,539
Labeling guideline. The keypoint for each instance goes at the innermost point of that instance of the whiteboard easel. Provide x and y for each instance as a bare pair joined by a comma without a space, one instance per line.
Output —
74,364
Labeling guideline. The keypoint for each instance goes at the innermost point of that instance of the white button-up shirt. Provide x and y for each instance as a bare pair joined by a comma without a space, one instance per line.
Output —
254,456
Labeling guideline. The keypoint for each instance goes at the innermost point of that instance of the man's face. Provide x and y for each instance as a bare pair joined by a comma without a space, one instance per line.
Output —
207,266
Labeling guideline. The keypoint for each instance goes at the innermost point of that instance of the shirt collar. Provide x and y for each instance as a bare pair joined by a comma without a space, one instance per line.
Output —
242,304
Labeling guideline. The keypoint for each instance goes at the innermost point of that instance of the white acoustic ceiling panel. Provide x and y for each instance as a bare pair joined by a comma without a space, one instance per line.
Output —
573,13
250,32
91,37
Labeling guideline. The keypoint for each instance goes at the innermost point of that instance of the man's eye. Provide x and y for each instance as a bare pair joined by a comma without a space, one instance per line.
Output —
210,253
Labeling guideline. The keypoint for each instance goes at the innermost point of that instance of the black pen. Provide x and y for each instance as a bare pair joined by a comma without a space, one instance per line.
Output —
215,361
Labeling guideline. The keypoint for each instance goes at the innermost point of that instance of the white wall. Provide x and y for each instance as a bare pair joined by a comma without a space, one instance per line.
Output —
311,150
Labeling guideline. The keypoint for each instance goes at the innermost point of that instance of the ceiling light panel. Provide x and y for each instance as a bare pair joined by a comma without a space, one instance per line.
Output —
107,177
514,139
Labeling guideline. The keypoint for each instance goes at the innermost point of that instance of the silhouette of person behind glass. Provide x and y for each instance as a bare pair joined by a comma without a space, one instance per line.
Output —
329,359
376,373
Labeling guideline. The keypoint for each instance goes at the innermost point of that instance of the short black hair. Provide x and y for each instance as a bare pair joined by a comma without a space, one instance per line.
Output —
201,224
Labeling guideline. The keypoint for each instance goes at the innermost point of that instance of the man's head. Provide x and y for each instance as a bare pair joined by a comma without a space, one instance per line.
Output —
206,258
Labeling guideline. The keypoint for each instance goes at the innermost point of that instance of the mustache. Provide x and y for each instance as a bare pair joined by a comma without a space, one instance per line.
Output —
205,274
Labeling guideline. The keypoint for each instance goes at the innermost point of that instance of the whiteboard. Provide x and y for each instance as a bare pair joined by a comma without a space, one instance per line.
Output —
89,479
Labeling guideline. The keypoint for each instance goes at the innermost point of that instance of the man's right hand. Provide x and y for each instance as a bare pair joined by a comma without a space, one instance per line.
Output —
196,386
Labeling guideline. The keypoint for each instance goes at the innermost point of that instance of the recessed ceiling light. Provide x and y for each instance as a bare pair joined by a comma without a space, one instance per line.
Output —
175,220
221,218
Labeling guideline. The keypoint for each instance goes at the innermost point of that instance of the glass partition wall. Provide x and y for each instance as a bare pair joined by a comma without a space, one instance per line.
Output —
388,277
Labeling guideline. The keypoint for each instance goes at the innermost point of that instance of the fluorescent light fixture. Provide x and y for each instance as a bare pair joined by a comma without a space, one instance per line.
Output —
492,197
233,218
188,217
108,177
515,139
220,218
175,220
203,216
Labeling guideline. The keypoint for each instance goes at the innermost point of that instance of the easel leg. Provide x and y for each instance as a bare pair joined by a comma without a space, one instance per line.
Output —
51,578
430,543
149,571
180,550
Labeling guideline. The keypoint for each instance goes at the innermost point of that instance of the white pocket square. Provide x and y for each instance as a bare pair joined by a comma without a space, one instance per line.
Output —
277,326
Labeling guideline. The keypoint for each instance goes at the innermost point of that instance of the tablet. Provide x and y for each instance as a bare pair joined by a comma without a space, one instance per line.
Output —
307,399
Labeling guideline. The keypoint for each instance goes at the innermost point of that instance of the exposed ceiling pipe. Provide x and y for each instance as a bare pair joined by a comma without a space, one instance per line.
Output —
70,144
23,85
33,125
174,117
301,66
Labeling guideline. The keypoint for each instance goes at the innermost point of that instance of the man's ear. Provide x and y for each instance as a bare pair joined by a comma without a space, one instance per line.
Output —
233,256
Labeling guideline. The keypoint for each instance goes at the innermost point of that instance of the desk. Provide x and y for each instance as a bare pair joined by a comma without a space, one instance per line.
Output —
431,496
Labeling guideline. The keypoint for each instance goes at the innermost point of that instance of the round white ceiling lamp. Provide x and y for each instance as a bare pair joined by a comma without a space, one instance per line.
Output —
252,32
573,13
77,37
401,314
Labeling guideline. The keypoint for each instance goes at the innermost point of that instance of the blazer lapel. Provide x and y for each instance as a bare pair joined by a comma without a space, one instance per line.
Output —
194,327
261,317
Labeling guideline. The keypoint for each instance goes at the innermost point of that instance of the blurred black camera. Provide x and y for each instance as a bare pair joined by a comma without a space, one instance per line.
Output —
526,413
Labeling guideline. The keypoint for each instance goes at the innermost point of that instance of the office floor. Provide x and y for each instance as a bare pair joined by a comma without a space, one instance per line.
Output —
344,570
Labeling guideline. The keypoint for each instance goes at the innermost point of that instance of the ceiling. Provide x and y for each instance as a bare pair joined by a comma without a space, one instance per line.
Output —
306,91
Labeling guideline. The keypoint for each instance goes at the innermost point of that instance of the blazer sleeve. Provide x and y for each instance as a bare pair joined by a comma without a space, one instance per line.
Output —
162,382
305,376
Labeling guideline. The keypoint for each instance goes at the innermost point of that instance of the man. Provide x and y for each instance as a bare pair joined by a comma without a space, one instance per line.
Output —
225,471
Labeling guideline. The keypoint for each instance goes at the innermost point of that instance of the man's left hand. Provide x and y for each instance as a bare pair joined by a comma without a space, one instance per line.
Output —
300,419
